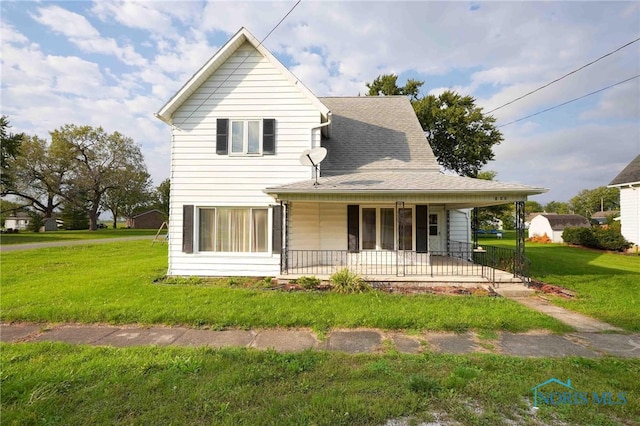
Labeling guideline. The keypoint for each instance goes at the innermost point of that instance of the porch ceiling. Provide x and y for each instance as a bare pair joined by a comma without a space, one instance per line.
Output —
411,186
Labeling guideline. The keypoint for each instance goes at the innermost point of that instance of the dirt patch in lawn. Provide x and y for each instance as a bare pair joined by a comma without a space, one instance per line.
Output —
552,289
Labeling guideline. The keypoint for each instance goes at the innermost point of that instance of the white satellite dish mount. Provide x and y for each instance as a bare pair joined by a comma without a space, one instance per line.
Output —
313,157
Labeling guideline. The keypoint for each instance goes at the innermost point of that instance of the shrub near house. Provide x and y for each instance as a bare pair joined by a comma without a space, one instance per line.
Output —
605,238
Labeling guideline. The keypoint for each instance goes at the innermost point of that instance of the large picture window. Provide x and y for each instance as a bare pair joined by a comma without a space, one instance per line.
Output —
233,229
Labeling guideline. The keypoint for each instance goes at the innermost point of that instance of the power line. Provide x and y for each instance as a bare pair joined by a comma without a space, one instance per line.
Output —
572,100
564,76
240,64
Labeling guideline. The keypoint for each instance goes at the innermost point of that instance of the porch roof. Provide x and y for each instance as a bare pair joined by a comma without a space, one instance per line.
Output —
409,183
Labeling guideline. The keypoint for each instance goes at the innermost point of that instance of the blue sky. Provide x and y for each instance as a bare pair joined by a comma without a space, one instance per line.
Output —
114,64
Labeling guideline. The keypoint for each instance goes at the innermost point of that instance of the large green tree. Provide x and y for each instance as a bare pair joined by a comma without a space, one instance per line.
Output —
101,162
39,174
132,196
589,201
460,134
559,207
9,147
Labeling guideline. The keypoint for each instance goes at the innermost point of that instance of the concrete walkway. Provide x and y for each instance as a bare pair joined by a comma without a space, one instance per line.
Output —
30,246
534,344
580,322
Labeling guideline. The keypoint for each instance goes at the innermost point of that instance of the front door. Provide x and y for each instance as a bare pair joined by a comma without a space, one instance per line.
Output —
435,231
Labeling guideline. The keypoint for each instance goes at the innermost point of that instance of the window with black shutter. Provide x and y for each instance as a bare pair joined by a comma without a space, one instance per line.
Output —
222,136
269,136
353,227
187,228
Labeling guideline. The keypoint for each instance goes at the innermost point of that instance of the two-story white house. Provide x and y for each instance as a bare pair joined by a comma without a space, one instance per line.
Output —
242,203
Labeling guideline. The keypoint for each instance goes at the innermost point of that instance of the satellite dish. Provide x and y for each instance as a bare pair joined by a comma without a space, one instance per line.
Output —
313,157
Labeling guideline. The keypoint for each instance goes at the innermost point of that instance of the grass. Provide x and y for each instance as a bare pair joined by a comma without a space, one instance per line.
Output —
607,284
55,383
25,237
114,283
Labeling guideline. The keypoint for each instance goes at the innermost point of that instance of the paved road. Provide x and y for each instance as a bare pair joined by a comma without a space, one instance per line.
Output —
351,341
30,246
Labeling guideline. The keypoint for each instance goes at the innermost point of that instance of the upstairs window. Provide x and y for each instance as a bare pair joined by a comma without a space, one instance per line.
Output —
245,137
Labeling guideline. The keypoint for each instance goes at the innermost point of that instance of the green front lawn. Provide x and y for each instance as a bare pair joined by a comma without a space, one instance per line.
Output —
54,383
24,237
114,283
607,284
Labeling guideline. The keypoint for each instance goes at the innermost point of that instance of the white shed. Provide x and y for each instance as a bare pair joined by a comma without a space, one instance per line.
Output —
553,225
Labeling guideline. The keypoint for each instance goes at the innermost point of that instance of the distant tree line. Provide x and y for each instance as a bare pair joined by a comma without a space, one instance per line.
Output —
79,173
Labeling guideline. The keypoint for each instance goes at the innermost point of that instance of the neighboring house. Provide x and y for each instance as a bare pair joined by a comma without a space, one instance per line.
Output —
152,219
629,183
601,217
554,224
243,204
19,221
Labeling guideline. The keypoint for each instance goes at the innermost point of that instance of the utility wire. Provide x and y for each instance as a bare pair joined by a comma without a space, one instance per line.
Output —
240,64
568,102
564,76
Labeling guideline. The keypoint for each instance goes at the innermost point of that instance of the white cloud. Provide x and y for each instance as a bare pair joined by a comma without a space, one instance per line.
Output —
80,32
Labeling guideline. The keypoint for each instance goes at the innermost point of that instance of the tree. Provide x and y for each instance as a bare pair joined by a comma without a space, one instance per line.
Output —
557,207
589,201
101,161
532,207
460,135
131,197
39,174
487,215
74,217
387,85
162,197
9,147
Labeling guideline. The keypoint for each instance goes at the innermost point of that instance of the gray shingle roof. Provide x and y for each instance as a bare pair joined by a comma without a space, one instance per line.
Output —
370,133
403,182
560,221
629,174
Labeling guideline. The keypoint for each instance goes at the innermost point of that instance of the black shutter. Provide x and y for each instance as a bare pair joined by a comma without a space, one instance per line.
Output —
187,228
277,229
353,227
422,228
269,136
222,136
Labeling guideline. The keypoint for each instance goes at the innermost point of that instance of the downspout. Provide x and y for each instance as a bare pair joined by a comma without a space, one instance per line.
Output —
320,126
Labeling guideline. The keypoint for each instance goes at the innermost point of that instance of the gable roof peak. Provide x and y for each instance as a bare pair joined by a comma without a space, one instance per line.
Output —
220,57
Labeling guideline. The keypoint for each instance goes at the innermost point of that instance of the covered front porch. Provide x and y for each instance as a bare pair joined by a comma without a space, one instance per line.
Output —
460,266
394,226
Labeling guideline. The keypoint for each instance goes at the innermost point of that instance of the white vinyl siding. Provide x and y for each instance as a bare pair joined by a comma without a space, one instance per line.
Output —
630,214
246,87
460,225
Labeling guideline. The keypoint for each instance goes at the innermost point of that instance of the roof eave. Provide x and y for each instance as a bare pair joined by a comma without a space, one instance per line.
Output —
275,191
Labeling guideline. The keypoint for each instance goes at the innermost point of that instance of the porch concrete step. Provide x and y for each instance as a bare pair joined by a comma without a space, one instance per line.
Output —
513,290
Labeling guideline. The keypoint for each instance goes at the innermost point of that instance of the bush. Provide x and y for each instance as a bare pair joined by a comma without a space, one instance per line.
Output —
35,222
580,236
308,282
345,281
611,239
605,238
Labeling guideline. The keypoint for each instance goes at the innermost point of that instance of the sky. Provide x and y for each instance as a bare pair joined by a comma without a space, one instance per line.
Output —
114,64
